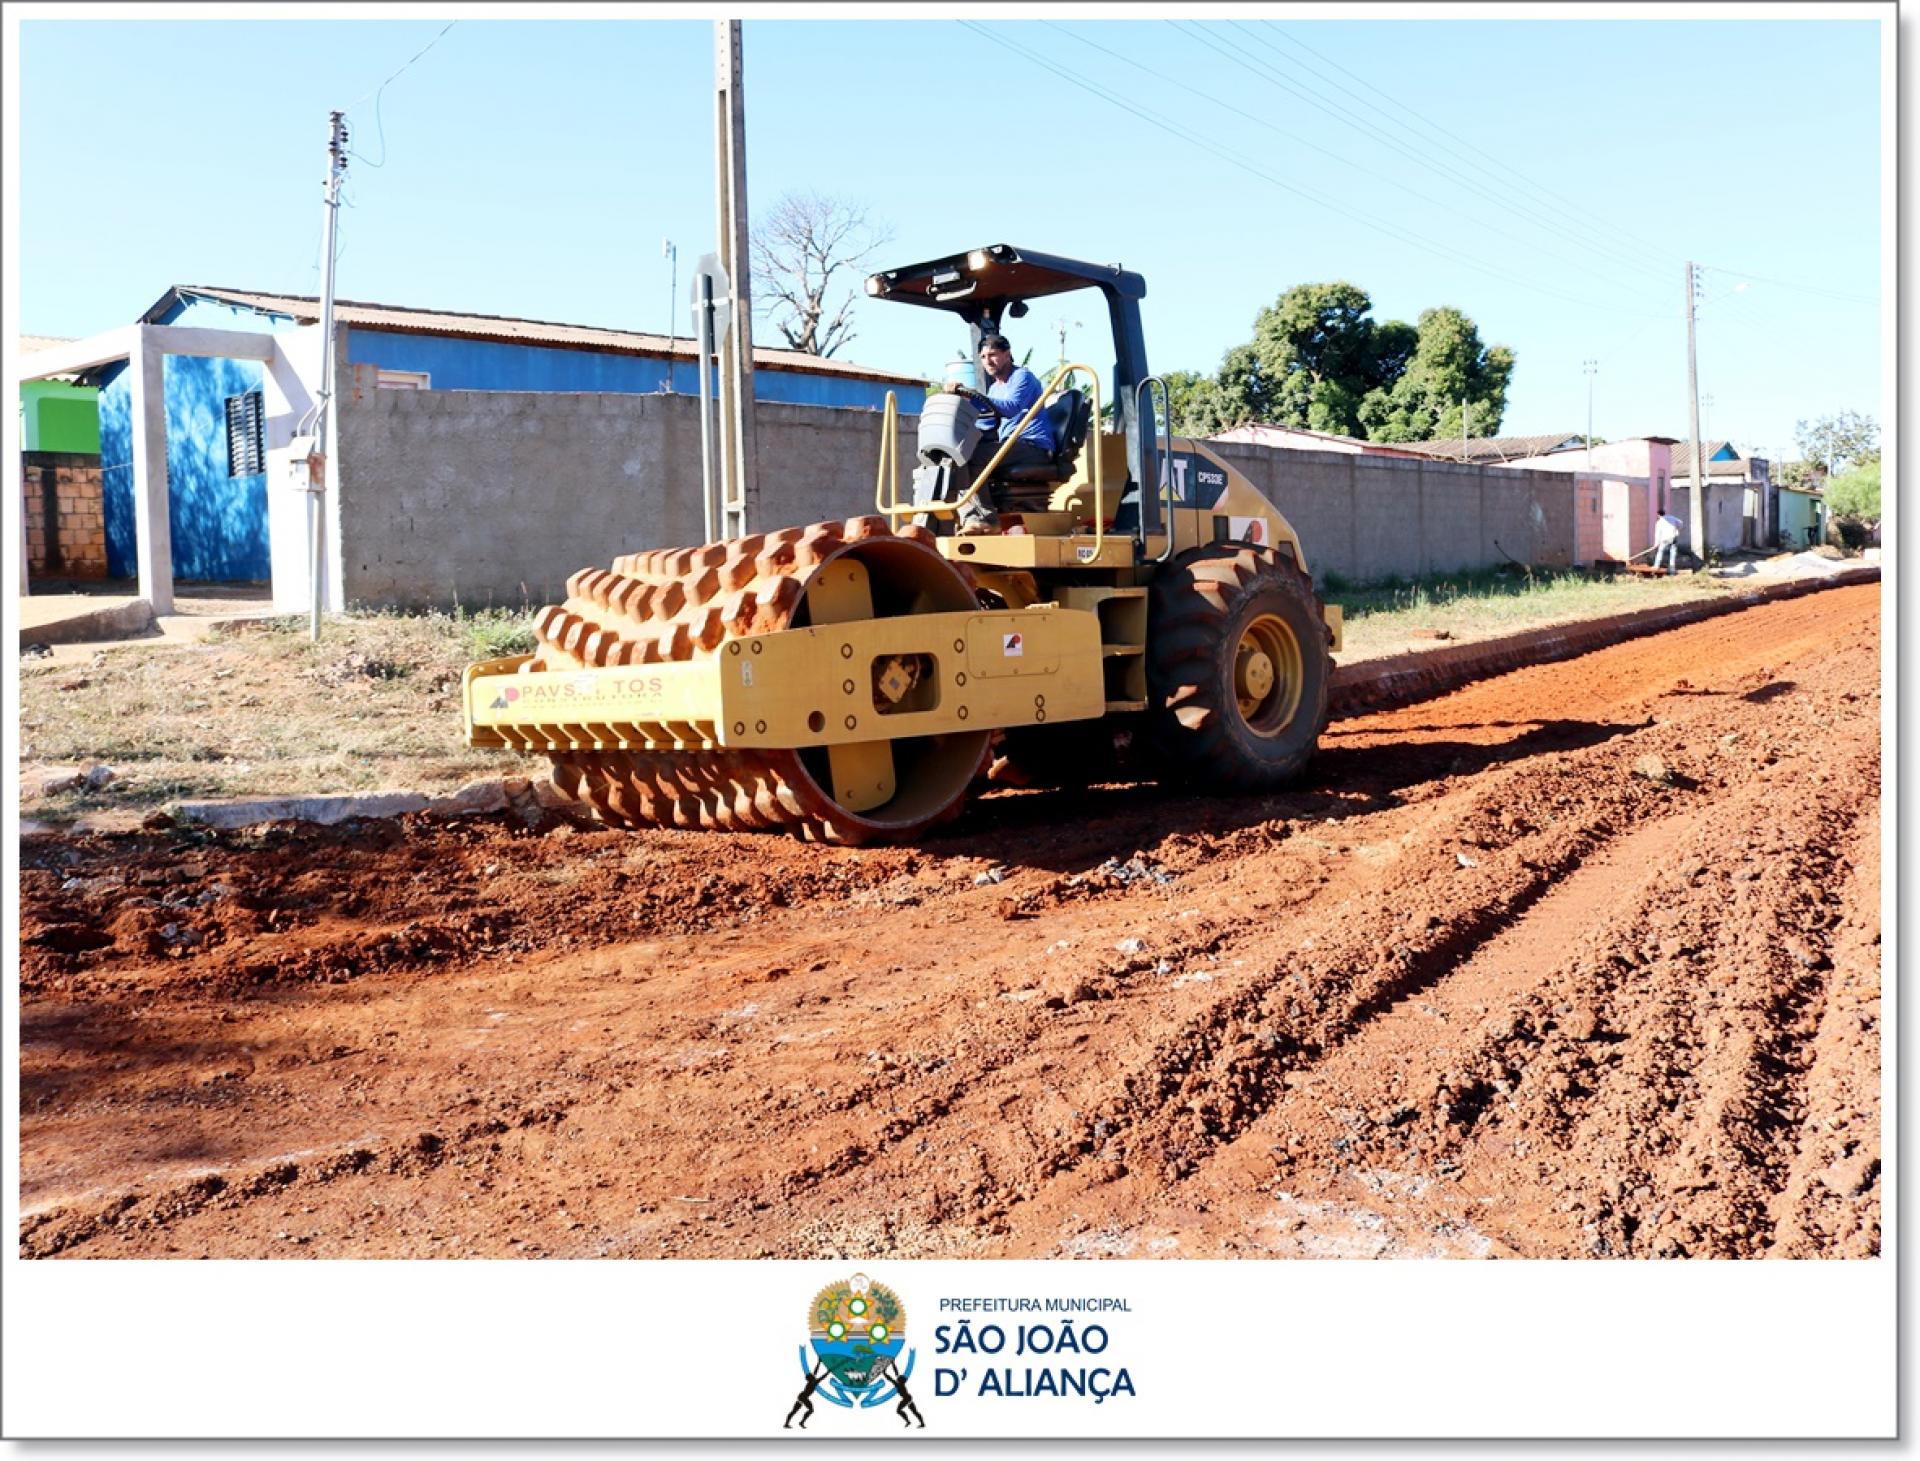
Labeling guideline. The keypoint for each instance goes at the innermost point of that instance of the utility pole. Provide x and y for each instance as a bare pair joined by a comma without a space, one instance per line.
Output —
1062,326
672,256
1696,499
1706,411
317,462
736,351
1591,368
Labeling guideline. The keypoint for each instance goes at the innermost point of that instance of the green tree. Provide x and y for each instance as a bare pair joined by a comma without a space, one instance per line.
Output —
1451,381
1795,474
1318,360
1856,492
1844,437
1319,352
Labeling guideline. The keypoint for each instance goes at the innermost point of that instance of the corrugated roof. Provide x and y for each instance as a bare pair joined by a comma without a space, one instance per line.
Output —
306,309
1492,448
31,343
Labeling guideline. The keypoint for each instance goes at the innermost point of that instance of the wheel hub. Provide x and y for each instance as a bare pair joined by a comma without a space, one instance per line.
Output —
1253,677
1269,675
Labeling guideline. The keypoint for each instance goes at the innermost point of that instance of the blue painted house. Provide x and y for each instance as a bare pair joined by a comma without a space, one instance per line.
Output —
217,486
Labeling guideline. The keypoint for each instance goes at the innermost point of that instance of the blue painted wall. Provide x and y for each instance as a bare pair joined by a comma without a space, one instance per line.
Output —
453,363
220,522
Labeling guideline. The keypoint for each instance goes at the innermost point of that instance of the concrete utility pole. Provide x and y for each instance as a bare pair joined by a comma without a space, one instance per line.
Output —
672,256
317,470
1591,368
736,351
1696,499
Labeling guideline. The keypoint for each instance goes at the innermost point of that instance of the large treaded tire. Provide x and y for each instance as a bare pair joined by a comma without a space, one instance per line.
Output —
1204,606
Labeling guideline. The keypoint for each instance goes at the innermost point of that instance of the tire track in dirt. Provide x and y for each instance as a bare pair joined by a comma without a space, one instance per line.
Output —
1830,1202
1536,1051
1248,1069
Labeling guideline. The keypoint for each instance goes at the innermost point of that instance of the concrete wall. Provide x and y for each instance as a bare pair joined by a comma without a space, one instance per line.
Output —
1367,518
1724,502
495,497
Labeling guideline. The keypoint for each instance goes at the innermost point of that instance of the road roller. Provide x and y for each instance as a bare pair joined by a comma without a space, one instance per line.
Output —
852,681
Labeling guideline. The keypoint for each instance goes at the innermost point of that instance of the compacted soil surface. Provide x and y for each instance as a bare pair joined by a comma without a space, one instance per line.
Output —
1580,961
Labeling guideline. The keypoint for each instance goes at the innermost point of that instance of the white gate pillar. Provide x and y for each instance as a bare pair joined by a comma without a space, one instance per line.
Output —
153,532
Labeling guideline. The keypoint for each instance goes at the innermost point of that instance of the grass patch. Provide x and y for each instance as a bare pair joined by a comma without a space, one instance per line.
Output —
1395,615
262,710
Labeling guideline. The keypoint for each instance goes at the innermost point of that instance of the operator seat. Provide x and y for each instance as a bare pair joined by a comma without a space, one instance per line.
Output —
1070,416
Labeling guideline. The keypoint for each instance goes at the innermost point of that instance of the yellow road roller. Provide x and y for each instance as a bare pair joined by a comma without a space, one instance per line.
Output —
850,681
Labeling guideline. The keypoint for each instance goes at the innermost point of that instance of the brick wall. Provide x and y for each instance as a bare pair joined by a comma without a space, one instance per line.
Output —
66,529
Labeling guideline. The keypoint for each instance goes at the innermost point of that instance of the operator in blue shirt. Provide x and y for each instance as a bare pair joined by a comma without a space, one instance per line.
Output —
1014,389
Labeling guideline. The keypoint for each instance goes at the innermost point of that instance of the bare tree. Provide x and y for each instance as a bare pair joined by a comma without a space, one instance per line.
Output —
799,250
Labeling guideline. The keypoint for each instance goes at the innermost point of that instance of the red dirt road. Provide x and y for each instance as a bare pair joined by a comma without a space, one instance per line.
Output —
1579,961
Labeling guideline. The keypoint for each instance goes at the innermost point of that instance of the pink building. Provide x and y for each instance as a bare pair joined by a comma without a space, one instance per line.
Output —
1620,488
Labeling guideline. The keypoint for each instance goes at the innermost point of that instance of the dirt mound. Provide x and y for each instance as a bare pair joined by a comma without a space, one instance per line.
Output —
1481,983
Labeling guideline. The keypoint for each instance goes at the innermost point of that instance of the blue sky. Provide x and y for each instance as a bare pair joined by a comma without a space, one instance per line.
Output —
1548,176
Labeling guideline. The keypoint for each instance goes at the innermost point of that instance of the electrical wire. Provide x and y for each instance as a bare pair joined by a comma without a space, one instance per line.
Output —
409,61
1206,145
1266,72
1572,211
1784,284
1440,203
378,123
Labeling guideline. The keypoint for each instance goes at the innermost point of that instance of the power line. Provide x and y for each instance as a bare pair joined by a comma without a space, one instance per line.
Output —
1784,284
1573,211
1200,141
1266,73
408,62
378,124
1478,219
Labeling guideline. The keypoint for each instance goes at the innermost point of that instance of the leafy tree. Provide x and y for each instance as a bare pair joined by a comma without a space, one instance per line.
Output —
1319,353
1794,474
1451,381
1193,399
799,249
1856,492
1845,436
1319,361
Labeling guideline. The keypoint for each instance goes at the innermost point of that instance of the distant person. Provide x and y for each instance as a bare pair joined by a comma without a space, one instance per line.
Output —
1666,541
1014,389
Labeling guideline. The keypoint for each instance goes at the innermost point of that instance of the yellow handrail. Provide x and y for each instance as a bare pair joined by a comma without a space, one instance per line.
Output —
889,454
948,509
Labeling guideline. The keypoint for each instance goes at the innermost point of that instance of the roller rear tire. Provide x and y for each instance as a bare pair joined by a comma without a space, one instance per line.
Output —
1238,668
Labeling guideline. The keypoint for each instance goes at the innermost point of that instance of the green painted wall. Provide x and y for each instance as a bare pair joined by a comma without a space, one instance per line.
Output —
1798,512
57,416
